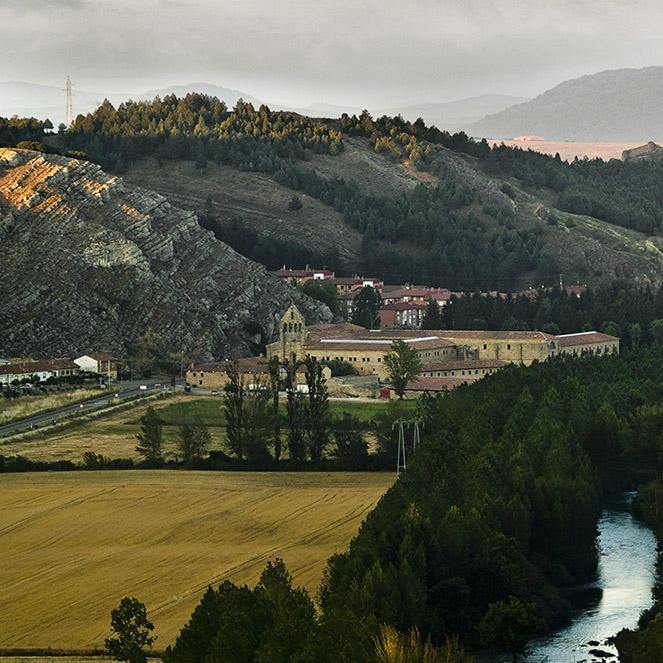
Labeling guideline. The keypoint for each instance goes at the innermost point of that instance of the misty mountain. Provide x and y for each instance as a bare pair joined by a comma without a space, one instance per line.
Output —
454,115
228,96
45,101
620,105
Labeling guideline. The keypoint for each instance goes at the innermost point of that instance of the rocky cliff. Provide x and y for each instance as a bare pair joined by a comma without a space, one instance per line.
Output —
89,262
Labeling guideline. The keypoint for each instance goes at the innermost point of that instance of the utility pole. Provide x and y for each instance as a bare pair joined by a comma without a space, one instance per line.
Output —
69,112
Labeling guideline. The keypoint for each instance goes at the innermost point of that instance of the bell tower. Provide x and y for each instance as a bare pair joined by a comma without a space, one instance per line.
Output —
292,335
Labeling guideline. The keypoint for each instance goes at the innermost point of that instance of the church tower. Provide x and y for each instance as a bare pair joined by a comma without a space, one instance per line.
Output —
292,336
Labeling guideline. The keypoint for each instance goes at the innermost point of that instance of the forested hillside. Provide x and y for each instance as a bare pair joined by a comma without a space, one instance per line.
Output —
495,514
458,215
418,204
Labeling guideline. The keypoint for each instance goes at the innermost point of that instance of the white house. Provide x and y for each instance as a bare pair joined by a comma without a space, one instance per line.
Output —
98,362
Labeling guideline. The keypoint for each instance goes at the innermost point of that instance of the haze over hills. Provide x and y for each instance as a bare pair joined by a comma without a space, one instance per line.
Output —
620,105
454,115
44,101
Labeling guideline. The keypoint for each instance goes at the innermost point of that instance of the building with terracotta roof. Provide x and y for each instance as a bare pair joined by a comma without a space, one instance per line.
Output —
520,347
588,343
402,314
37,371
303,275
476,368
98,362
254,372
364,349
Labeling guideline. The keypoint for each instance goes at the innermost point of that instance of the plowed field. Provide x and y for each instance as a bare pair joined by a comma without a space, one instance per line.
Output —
73,544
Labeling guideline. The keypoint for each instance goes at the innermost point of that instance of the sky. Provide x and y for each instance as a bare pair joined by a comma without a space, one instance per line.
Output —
361,53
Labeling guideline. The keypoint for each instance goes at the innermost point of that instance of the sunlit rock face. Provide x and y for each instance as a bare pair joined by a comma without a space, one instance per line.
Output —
89,262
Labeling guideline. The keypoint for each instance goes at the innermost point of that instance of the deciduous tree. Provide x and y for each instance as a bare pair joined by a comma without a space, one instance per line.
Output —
131,631
403,365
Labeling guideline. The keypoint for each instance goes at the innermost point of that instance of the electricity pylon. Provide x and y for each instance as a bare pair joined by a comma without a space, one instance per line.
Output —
69,111
401,462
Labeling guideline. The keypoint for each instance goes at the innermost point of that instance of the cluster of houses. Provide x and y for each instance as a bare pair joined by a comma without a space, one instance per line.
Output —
448,357
402,305
40,371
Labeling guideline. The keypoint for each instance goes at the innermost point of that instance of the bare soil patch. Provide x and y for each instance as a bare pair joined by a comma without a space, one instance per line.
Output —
75,543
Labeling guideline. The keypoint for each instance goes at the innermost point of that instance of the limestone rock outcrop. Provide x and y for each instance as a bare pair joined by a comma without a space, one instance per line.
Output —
89,262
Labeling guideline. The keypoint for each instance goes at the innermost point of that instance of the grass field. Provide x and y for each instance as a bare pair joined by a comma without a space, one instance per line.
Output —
114,434
73,544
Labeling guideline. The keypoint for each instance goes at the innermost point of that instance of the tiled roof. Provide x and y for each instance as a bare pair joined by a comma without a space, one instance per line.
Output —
438,384
583,338
469,364
30,367
244,365
377,344
514,336
100,356
403,306
405,292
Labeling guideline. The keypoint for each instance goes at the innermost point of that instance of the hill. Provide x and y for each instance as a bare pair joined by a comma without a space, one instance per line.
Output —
455,115
92,262
383,197
610,106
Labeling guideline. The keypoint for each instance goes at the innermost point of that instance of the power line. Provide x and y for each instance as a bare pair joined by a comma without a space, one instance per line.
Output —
69,111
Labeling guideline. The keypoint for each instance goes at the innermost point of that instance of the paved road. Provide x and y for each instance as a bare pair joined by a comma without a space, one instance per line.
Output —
124,390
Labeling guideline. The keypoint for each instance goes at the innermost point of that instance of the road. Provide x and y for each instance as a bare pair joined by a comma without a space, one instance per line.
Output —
125,390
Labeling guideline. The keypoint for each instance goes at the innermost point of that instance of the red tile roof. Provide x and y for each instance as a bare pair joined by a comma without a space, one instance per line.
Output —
585,338
469,364
438,384
514,336
30,367
244,365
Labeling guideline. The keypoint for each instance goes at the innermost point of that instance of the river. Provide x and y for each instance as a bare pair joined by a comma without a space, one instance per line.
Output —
622,590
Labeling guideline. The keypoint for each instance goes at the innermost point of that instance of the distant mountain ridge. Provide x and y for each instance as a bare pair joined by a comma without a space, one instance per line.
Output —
44,101
620,105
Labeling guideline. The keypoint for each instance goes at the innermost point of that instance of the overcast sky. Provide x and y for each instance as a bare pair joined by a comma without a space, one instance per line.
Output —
362,53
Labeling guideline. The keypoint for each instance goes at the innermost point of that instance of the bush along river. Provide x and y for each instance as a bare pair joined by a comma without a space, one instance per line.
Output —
625,576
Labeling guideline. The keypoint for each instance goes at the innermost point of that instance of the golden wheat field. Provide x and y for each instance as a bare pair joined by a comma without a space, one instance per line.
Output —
73,544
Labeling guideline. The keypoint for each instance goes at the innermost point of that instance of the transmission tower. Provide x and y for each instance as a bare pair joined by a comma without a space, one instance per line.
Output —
401,463
69,111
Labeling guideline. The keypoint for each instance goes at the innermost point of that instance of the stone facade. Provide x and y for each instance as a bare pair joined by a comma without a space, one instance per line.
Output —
253,370
518,347
588,343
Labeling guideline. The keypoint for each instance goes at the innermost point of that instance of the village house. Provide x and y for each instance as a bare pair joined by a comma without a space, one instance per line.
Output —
300,377
98,362
37,371
302,275
254,372
402,314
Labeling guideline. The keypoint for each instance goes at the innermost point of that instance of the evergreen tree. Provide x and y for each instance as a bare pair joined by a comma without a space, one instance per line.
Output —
150,439
366,304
